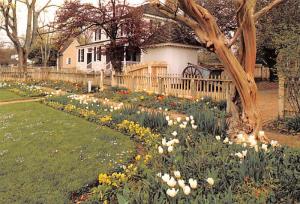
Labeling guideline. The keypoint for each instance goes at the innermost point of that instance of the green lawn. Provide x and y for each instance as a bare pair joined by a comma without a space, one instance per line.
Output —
45,153
6,95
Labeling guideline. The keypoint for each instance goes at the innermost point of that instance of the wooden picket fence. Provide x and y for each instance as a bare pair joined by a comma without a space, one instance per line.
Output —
176,85
44,74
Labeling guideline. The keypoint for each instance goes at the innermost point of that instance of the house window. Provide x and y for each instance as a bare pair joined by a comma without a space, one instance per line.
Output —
78,57
82,55
69,60
98,34
99,53
95,54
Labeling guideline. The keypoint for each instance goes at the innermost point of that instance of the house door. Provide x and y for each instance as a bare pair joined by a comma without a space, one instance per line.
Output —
89,57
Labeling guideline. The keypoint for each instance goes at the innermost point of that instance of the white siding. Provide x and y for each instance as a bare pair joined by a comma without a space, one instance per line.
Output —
96,65
177,58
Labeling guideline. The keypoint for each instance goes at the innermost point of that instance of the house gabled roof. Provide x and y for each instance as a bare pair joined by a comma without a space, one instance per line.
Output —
66,45
172,32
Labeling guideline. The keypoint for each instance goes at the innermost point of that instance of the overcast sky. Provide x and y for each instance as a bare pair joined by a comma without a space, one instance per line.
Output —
48,15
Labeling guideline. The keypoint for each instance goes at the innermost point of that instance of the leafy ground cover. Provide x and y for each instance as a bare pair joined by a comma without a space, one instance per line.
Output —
46,154
6,95
186,161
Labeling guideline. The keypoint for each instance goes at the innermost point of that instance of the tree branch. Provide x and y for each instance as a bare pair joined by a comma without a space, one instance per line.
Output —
267,8
186,20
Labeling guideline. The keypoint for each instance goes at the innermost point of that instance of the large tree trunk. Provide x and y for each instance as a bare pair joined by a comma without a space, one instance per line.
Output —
249,115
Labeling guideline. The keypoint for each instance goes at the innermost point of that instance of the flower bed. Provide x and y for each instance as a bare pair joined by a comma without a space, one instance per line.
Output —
155,101
69,87
183,160
23,89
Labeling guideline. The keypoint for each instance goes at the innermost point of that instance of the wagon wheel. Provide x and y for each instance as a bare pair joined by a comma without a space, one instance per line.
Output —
192,71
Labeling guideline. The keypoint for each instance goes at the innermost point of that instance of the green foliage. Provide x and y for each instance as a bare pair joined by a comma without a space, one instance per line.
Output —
210,121
154,120
293,124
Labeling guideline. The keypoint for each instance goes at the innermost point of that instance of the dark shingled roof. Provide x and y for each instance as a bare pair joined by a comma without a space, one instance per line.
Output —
172,32
66,45
151,10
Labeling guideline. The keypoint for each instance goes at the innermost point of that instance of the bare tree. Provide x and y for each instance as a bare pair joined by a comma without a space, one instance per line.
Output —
8,13
241,66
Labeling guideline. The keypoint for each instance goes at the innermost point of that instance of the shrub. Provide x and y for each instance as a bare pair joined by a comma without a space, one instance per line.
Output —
293,124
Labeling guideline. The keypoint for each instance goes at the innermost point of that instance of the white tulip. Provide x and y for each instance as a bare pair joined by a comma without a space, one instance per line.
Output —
210,181
192,122
176,141
218,137
256,148
164,141
187,118
167,118
182,126
165,177
192,117
186,190
177,174
239,155
244,153
261,133
274,143
193,183
241,137
166,109
226,140
251,138
178,119
174,133
172,182
253,143
170,122
172,192
170,149
194,127
230,142
158,174
264,147
160,108
244,144
184,122
160,150
170,143
181,183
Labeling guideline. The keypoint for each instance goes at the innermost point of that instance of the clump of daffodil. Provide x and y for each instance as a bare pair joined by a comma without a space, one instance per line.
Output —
86,113
105,119
70,108
141,133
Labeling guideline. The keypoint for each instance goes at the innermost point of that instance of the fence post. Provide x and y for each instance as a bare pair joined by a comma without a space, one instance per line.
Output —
133,85
160,85
193,88
113,83
281,96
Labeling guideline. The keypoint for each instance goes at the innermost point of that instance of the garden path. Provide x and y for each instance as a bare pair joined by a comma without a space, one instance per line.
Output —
268,105
20,101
